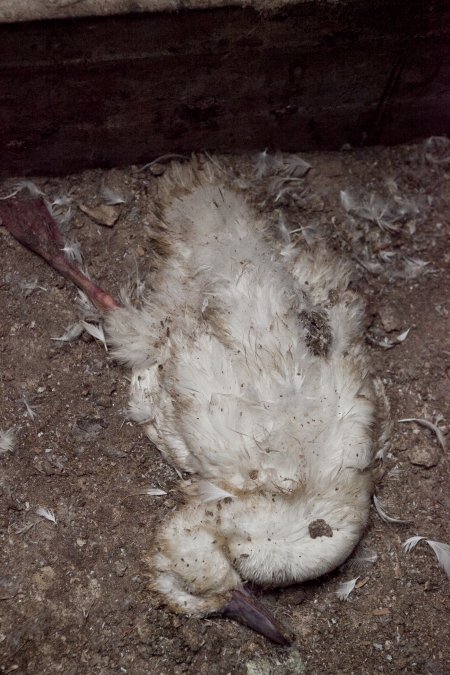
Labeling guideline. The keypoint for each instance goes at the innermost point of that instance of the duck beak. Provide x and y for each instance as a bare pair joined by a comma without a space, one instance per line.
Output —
246,609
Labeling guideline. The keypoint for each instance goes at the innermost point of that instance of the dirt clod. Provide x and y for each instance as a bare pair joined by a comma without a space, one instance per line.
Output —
319,528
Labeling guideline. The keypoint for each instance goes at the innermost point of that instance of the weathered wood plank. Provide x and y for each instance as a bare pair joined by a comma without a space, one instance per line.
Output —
124,89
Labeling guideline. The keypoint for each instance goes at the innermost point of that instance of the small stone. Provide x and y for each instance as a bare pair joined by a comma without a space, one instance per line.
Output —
105,214
319,528
120,567
115,453
140,250
424,457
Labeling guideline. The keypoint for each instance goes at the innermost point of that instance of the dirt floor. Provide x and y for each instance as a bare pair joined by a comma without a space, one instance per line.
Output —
73,594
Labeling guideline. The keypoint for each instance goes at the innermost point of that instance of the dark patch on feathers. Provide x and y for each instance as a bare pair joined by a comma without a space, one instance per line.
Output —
318,333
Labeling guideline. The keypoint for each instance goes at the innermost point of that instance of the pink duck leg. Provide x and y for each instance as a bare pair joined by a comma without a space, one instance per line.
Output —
30,222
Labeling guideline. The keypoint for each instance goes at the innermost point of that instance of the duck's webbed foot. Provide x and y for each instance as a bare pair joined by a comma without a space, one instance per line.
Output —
30,222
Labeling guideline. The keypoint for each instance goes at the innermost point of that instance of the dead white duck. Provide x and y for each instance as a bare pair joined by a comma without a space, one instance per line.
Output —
249,373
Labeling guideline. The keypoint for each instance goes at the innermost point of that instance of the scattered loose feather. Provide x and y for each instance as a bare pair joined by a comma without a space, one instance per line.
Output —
385,516
441,551
262,164
394,473
46,513
29,287
30,411
62,200
429,425
154,492
292,165
437,150
25,528
71,334
411,543
95,331
385,343
208,492
88,311
345,588
111,197
412,267
7,440
388,215
363,558
72,251
32,188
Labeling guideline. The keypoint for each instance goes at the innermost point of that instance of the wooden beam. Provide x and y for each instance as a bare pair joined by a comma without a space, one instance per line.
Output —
79,93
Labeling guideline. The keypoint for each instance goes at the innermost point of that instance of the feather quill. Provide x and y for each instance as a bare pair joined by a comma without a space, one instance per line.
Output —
428,425
30,411
154,492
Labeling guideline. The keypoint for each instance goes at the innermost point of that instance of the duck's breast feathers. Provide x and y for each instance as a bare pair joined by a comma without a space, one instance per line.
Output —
253,351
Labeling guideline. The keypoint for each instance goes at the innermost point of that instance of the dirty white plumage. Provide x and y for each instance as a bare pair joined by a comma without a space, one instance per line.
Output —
248,372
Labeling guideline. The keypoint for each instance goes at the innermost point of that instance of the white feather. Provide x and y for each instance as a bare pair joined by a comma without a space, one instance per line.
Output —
402,337
72,333
412,267
72,251
62,200
154,492
411,543
96,332
7,440
47,514
385,343
30,411
208,492
30,286
262,164
442,552
111,197
362,559
32,188
345,588
383,515
428,425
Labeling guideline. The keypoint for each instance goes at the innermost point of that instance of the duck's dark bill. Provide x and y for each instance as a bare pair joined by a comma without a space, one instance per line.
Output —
246,609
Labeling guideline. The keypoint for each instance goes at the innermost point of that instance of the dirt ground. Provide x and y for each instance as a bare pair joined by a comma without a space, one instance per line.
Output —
73,595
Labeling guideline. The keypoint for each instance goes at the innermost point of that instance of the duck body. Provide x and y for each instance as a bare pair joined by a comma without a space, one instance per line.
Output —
249,373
